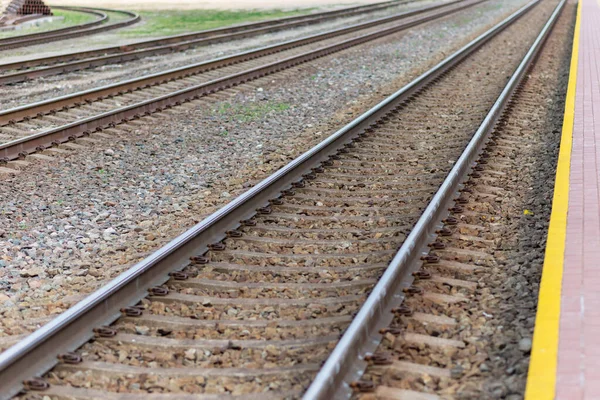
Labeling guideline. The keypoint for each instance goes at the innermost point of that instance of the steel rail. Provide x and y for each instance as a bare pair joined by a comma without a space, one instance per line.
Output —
170,48
347,362
102,17
276,21
45,37
37,353
21,112
42,140
219,35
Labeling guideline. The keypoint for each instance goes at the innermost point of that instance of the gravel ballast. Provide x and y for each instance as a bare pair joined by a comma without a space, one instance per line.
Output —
74,222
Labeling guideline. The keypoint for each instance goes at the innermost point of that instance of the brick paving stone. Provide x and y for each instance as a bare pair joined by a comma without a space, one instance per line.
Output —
578,373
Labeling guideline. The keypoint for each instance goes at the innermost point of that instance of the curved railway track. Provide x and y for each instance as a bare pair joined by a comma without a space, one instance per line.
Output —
89,28
101,18
134,51
5,23
34,127
250,301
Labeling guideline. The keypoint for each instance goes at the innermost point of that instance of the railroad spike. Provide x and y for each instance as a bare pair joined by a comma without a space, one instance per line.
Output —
403,310
219,246
421,275
396,331
105,332
70,358
450,221
431,259
413,290
379,358
36,384
444,232
158,291
363,386
456,209
179,276
131,312
200,260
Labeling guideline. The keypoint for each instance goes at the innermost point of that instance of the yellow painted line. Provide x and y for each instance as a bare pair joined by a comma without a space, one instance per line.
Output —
541,378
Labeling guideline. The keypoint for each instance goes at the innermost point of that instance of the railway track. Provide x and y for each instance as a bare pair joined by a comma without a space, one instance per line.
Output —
89,28
480,273
118,54
250,301
100,19
41,125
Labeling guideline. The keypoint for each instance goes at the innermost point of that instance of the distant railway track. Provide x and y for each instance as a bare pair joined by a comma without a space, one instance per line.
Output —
88,28
52,65
251,300
37,126
17,39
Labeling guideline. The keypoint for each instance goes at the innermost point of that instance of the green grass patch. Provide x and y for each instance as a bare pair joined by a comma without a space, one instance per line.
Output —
462,21
165,23
70,18
115,17
251,112
74,17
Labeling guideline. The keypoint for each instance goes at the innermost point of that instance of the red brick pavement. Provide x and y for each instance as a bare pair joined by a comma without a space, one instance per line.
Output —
578,374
